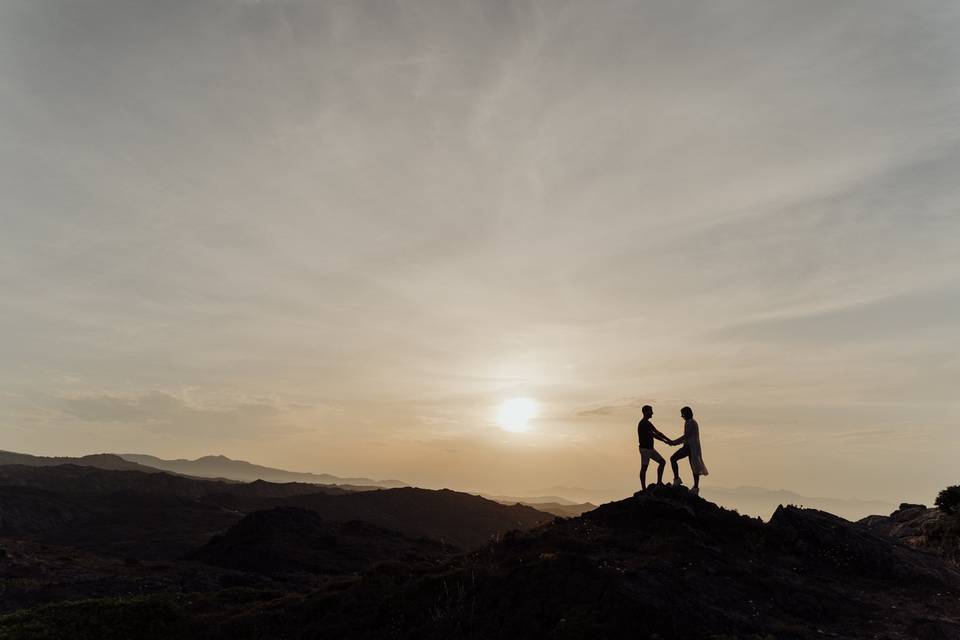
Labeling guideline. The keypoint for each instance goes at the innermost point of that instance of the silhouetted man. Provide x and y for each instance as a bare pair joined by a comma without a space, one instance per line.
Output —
646,433
690,448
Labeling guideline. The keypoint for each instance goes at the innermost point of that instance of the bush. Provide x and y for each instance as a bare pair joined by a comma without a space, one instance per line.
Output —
949,500
143,617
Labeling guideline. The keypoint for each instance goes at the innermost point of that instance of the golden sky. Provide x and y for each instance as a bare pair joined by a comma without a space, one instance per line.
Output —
336,236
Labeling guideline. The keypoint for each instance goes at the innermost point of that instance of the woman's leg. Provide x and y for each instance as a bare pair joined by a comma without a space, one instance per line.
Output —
678,455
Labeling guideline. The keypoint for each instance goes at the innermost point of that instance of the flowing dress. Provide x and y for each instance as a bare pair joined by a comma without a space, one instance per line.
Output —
692,431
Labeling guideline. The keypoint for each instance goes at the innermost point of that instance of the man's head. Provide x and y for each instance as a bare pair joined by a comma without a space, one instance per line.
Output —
686,413
647,411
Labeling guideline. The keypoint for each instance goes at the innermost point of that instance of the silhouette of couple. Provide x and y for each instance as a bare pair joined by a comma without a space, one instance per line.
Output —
690,440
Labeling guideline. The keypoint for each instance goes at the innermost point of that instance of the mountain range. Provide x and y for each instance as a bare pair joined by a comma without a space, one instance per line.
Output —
224,467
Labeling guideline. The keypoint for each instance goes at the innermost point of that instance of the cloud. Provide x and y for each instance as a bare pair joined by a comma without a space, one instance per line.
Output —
616,407
162,412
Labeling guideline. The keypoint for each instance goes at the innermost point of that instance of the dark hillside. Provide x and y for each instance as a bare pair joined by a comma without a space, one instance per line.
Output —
663,565
450,517
290,540
163,516
666,565
70,478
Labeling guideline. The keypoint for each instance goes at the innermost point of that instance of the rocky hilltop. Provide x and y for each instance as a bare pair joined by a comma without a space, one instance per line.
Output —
665,564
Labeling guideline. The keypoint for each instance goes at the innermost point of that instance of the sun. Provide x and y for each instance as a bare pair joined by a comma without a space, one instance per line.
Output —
514,415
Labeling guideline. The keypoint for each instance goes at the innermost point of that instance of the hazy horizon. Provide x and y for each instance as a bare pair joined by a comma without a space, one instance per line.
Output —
337,236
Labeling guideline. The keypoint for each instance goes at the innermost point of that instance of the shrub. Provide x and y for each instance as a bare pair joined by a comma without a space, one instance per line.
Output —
949,500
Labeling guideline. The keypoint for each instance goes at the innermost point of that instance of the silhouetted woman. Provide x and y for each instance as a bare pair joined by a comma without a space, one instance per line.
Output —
691,448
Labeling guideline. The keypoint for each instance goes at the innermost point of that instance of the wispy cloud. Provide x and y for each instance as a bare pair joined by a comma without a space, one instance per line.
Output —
166,413
412,210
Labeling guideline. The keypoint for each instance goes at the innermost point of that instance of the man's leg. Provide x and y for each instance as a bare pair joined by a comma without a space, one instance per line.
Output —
661,463
643,473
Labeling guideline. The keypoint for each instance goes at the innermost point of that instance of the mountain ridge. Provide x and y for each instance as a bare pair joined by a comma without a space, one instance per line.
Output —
211,466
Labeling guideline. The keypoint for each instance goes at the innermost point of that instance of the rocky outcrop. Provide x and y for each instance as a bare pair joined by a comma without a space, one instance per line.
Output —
915,525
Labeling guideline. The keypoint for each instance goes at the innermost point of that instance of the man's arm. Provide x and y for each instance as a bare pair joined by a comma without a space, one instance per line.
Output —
659,436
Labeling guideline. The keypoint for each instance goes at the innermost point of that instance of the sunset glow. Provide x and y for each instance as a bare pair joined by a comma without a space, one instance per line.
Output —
515,414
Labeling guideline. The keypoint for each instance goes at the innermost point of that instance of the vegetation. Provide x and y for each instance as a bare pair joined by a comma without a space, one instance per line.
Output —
948,500
149,618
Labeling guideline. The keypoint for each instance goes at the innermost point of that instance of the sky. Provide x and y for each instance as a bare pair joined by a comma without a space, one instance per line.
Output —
335,236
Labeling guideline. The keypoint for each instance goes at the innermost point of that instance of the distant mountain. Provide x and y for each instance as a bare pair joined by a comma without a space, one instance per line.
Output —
290,540
574,495
530,499
98,460
550,504
762,503
224,467
562,510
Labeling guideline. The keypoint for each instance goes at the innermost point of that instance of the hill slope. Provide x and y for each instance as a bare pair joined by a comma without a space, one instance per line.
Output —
451,517
158,515
289,539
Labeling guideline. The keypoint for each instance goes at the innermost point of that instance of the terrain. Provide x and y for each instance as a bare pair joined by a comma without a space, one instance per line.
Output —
551,504
753,501
411,563
290,540
920,527
159,516
98,460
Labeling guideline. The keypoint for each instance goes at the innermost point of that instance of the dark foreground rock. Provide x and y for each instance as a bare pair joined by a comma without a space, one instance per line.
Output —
664,565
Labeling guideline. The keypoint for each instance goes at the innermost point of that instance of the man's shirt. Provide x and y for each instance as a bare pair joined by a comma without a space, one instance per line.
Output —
645,434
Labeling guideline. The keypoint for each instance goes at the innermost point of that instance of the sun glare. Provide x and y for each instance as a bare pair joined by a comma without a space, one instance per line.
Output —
514,415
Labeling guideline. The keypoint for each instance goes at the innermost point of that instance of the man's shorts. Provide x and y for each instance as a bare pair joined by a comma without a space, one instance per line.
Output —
646,455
